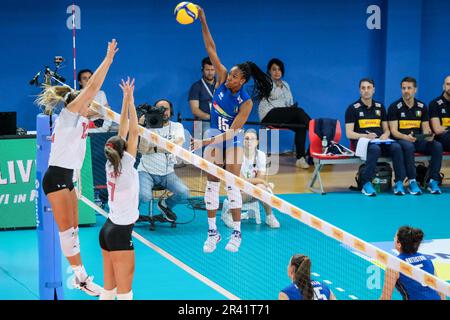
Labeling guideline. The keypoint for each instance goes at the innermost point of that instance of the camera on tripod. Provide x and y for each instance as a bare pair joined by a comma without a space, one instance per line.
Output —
154,116
50,77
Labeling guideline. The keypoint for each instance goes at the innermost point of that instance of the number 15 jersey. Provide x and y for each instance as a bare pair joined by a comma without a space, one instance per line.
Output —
226,106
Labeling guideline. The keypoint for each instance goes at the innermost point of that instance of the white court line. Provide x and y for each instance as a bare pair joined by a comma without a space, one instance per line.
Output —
327,281
315,274
353,297
168,256
340,289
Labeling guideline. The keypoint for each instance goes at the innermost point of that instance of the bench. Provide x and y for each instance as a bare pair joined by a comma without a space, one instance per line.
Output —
321,160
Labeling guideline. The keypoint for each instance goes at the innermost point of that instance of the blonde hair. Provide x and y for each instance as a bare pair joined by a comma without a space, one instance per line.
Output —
51,96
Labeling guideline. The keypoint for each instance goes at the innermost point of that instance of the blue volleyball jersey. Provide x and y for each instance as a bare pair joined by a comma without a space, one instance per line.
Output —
226,106
411,289
321,291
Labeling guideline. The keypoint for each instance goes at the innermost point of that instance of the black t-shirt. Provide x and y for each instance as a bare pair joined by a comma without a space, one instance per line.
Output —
199,92
409,119
366,120
440,108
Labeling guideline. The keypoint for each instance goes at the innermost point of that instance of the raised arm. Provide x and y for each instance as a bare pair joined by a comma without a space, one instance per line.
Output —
211,48
84,99
133,136
123,125
390,279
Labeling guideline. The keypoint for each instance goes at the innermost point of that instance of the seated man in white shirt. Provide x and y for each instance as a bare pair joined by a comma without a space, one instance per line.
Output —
100,124
253,170
156,167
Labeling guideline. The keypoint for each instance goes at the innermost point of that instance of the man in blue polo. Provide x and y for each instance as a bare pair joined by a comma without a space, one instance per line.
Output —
200,98
409,124
367,118
440,116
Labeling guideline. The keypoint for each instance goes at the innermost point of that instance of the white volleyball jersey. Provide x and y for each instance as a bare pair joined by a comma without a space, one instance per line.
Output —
69,140
123,192
251,167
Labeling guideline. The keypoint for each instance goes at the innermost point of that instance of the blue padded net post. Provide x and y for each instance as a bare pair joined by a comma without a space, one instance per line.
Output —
50,269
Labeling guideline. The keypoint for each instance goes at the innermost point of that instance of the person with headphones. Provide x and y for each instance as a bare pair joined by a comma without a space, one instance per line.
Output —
156,167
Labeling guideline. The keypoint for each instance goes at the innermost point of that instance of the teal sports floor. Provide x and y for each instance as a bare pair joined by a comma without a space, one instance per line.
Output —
258,270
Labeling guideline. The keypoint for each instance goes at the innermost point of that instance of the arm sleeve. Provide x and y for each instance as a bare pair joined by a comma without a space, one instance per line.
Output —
290,98
194,92
179,131
350,115
383,113
262,162
425,116
392,113
433,110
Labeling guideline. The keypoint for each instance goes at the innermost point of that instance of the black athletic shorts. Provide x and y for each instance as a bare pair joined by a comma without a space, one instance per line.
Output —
115,237
57,178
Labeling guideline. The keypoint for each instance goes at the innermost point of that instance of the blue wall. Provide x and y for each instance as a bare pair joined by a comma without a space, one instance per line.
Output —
325,45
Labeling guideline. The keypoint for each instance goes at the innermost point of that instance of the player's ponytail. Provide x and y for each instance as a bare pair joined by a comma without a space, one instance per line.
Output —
302,276
51,96
114,149
263,82
410,239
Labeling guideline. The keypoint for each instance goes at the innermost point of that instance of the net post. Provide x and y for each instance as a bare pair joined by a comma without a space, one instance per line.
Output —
50,269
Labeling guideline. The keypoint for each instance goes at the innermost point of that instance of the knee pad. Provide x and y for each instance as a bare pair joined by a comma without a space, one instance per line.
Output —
76,239
234,197
125,296
212,195
108,294
67,240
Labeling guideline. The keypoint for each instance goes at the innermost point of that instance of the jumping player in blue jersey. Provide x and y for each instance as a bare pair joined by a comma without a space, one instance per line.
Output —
230,110
302,287
407,242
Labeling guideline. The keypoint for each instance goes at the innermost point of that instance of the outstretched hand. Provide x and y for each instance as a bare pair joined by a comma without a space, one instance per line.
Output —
127,89
112,50
201,13
196,144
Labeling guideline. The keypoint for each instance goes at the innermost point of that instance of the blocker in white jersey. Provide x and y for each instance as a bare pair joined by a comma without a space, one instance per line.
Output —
69,140
123,192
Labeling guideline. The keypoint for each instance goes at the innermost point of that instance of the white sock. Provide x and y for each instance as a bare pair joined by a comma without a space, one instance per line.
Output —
125,296
212,223
80,273
237,225
108,294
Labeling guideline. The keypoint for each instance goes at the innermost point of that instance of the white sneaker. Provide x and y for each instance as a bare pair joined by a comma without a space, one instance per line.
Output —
272,222
226,216
88,286
301,163
212,241
235,242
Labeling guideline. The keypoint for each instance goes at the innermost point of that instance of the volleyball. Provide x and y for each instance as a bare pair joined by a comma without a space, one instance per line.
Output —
186,12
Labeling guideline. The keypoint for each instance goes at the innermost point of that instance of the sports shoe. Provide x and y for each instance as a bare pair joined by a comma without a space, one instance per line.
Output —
235,242
167,213
88,286
414,188
301,163
272,222
433,187
212,241
398,188
368,189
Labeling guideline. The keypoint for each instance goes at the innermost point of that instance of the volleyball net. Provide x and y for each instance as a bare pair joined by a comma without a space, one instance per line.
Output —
351,267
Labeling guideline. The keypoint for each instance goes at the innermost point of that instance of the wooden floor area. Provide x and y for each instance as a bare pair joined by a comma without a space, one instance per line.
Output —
290,179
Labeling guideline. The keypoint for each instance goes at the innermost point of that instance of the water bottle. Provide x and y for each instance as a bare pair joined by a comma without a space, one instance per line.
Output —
324,144
377,184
